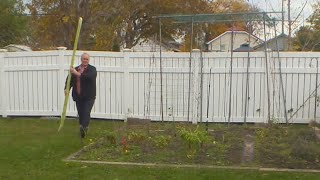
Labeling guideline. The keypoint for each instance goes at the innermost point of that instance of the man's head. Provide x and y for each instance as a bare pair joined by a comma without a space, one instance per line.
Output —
85,58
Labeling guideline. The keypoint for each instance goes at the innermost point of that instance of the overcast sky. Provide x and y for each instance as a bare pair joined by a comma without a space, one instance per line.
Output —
296,6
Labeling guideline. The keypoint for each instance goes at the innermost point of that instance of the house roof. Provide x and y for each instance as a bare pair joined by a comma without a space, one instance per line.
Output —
173,45
277,37
20,47
229,32
244,48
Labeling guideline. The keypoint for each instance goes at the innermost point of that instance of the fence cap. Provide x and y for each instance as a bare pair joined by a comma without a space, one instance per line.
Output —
61,48
3,50
195,50
127,50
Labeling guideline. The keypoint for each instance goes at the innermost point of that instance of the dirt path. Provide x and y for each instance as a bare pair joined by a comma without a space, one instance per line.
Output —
248,149
317,132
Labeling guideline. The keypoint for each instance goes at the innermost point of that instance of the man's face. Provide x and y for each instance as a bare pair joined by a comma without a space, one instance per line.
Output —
85,59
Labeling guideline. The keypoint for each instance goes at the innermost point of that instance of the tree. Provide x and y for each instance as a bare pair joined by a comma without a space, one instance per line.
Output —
134,20
13,23
307,38
230,6
54,22
109,25
208,31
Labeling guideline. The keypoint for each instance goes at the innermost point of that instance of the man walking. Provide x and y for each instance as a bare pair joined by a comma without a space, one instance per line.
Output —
83,84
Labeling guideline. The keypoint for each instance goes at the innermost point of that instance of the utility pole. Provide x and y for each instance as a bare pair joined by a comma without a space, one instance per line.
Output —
282,13
289,25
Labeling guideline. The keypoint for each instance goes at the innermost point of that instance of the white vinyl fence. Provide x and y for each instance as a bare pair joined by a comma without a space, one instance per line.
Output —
129,85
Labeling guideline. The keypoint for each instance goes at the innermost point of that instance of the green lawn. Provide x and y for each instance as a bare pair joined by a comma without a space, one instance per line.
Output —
32,149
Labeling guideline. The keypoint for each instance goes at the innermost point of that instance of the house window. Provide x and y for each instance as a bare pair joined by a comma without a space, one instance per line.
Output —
222,47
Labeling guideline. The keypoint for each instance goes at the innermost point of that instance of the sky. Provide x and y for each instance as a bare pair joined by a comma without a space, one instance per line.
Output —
296,7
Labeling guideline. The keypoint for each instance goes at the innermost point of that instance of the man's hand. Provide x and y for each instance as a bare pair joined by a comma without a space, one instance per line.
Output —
74,72
65,92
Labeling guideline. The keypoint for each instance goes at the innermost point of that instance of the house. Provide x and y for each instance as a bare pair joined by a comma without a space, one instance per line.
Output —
150,45
272,44
223,41
17,48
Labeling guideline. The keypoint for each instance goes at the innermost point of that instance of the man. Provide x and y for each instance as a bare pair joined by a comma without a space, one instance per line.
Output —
83,84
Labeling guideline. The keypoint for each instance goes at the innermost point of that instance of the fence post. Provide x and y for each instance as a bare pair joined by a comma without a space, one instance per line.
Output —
267,102
61,60
195,85
3,88
127,112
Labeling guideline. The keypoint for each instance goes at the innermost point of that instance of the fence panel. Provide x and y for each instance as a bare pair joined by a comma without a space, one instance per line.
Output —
129,85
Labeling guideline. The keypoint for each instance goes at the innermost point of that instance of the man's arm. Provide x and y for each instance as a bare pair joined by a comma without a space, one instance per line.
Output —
71,84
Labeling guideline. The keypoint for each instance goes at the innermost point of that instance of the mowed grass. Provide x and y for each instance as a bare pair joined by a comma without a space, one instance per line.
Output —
33,149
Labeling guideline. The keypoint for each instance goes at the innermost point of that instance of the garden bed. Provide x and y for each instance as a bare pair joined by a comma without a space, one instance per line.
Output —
275,146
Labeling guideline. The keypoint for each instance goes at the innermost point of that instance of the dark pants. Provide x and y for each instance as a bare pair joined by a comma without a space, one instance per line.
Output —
84,109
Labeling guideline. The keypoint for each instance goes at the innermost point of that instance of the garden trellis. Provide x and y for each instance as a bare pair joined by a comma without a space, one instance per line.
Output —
223,18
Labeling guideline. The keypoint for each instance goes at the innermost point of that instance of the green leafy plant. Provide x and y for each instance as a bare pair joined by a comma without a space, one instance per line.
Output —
161,141
136,137
194,139
110,136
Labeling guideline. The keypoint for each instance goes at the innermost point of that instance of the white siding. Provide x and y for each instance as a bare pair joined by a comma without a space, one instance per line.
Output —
223,42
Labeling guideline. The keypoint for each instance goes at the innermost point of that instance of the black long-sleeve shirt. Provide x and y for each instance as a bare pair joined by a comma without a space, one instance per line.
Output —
87,84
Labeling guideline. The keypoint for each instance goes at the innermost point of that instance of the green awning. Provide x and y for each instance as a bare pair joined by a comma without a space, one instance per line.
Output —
220,18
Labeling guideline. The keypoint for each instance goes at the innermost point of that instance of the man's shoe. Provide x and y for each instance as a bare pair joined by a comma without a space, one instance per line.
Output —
82,132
